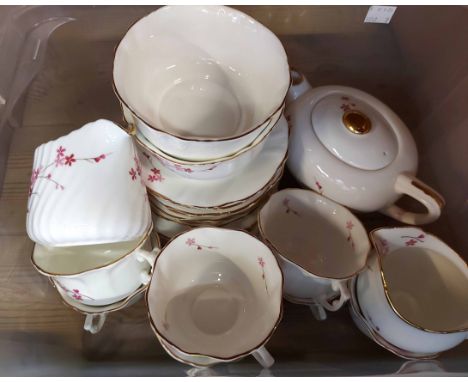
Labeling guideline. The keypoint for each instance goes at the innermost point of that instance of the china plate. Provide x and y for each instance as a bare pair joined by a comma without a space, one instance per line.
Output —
218,192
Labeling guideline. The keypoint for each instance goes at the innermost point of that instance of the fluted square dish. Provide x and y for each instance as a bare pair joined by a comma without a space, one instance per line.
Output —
86,189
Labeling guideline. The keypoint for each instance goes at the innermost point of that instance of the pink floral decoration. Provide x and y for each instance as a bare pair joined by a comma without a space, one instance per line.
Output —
413,239
192,242
261,262
155,175
289,209
133,173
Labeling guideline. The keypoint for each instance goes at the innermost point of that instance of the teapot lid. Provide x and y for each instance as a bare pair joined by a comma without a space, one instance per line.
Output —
352,126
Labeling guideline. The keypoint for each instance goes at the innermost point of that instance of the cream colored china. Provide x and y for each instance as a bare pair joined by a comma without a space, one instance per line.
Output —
369,331
97,275
319,244
183,84
178,190
414,291
232,207
352,148
96,315
86,189
213,169
223,297
169,228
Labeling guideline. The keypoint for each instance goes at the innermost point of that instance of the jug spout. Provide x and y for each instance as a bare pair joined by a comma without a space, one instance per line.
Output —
299,85
424,280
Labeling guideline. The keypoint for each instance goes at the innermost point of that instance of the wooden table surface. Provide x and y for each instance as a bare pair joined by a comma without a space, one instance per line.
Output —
39,335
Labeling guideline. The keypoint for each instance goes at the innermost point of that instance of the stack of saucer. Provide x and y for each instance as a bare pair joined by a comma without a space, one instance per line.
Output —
205,111
91,220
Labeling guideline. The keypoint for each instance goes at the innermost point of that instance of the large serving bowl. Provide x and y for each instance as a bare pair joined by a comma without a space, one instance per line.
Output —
183,79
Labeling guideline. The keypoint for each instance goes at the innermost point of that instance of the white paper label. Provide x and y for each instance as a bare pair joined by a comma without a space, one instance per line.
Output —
379,14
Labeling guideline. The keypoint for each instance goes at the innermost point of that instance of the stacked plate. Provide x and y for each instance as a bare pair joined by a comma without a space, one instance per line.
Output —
179,203
205,112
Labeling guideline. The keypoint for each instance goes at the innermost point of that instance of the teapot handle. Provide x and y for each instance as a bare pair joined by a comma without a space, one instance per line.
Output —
409,185
299,85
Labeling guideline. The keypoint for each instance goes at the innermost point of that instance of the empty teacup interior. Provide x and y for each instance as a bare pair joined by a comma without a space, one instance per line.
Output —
215,292
427,282
315,233
177,75
78,259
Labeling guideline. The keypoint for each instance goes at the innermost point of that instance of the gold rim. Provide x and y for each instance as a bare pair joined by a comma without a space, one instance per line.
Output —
232,156
248,208
267,338
279,170
385,285
120,98
271,245
377,338
138,245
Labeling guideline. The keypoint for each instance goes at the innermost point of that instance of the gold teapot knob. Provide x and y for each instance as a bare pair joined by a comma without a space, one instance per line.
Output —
357,122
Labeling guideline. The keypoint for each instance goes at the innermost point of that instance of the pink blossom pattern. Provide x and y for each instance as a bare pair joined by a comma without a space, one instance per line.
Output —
289,209
383,246
347,104
413,240
74,293
192,242
349,227
319,186
262,263
133,173
155,175
60,160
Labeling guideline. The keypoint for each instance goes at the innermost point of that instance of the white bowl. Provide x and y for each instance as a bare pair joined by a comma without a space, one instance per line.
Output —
183,79
223,297
212,169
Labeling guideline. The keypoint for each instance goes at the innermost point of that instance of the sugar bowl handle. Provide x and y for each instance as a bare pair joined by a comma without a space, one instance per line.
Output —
263,357
338,286
410,185
150,258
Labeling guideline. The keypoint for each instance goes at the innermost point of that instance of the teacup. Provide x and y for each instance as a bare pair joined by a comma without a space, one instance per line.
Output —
96,315
216,293
414,292
319,244
98,275
190,95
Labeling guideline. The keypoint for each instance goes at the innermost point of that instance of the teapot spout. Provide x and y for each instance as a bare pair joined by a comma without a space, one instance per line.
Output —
299,85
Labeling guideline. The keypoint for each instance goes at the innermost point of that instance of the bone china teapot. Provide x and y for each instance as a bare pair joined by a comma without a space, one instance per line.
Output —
350,147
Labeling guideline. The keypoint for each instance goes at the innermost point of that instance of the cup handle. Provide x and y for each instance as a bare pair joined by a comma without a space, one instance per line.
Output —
338,286
263,357
318,312
299,85
129,119
410,185
150,258
94,322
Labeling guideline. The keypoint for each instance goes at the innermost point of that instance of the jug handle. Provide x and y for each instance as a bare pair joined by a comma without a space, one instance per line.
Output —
263,357
341,286
299,85
410,185
150,258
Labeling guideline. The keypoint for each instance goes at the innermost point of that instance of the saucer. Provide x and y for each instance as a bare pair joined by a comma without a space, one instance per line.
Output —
178,190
